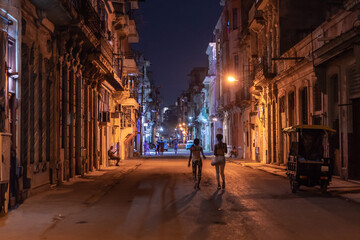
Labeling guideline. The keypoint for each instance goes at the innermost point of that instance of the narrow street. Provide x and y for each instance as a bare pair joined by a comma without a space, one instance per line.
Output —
154,199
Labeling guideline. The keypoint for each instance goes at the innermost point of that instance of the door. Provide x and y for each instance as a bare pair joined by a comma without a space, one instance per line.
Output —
354,158
14,186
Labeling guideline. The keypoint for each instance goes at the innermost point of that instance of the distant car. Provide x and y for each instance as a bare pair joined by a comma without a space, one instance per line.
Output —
189,143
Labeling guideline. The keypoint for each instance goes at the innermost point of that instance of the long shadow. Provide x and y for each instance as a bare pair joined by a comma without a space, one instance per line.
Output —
210,213
169,211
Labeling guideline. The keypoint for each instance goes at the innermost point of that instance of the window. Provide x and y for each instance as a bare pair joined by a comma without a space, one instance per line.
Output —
335,90
304,108
236,64
291,100
235,18
11,61
282,104
317,96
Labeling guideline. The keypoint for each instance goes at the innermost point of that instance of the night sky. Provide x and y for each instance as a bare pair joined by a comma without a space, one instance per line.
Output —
174,35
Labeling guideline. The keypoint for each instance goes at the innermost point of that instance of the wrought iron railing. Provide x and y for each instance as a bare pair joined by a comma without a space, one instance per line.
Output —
92,19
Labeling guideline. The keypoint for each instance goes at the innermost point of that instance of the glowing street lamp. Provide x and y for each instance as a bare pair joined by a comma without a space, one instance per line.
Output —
232,79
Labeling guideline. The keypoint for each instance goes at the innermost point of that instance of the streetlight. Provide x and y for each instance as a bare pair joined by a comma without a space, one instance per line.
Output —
232,79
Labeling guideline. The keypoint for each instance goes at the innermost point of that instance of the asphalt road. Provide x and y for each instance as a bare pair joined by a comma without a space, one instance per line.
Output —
157,201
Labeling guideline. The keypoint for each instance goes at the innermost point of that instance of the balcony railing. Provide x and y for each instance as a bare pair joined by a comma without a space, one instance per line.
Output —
261,69
91,17
134,94
106,50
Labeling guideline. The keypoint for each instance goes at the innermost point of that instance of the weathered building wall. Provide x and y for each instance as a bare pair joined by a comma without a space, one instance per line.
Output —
37,106
315,83
10,20
63,111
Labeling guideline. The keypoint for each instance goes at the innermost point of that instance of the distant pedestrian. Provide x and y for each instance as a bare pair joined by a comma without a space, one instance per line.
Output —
220,150
157,148
146,148
234,152
195,156
112,155
175,146
162,147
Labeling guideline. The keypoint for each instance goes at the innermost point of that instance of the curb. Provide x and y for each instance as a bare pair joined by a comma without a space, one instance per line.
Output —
345,195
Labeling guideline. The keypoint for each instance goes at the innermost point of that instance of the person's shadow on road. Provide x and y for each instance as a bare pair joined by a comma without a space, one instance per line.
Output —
218,197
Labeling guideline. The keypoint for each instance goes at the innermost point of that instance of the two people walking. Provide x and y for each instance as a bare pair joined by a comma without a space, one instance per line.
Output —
220,149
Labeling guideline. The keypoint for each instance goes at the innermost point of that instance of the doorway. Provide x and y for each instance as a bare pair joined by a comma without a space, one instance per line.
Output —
354,159
14,184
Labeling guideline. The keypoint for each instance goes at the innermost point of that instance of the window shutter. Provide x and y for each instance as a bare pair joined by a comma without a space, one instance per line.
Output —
354,80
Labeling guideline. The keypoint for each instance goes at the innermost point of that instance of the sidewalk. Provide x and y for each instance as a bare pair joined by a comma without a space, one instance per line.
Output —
350,190
43,210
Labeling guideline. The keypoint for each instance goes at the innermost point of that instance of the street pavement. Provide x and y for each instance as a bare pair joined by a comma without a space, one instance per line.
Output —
153,198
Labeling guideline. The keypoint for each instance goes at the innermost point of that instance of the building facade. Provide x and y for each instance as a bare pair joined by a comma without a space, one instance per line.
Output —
289,66
71,79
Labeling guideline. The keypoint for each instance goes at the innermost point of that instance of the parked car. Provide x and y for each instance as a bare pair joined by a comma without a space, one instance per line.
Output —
189,143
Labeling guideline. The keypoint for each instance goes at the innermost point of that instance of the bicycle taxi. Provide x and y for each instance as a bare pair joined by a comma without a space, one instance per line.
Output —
309,163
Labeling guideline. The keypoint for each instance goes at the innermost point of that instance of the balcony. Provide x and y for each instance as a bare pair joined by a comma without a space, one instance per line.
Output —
242,98
91,17
59,12
121,96
255,90
129,66
134,4
261,4
134,95
209,79
256,19
107,50
133,33
261,71
120,18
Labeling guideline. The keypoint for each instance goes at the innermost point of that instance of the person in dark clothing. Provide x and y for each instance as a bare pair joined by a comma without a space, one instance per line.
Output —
195,156
220,150
175,146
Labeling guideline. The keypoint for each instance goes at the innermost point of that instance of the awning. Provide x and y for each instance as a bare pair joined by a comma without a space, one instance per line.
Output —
131,102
